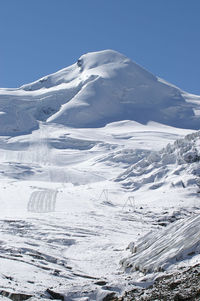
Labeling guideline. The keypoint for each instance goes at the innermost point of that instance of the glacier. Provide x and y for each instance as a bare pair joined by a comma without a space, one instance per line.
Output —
97,160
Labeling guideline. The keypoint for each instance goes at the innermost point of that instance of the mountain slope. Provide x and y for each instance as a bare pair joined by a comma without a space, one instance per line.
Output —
100,88
72,198
160,250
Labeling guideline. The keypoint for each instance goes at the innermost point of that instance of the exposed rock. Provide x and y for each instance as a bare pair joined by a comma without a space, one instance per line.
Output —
109,297
15,296
55,295
101,282
179,286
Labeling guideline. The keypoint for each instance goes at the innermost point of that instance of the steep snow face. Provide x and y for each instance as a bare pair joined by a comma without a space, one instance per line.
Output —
100,88
119,89
159,250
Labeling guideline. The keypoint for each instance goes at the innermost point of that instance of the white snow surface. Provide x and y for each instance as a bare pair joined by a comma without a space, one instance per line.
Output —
100,88
162,249
92,158
176,164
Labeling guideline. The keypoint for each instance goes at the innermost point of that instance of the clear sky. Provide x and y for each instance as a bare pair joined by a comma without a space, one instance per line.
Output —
39,37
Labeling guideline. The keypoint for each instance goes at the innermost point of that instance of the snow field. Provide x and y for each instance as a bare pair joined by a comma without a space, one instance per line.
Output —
91,159
80,217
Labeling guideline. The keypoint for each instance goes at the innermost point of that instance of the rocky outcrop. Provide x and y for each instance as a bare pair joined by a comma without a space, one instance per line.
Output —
180,286
15,296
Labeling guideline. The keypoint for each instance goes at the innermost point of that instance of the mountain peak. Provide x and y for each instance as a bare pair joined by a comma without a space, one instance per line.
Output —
94,59
100,88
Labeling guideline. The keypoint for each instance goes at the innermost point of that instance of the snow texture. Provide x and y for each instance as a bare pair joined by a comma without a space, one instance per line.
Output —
157,251
176,164
100,88
93,157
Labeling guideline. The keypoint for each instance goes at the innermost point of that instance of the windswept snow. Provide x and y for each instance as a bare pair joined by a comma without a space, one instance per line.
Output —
160,250
90,160
102,87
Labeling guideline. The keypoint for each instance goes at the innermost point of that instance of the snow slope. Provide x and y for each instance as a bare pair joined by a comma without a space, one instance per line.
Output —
100,88
60,228
84,171
158,251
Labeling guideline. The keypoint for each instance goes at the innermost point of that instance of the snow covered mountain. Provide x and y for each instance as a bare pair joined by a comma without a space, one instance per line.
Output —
92,158
100,88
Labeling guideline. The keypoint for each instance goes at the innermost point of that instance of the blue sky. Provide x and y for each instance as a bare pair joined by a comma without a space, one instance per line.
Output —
38,37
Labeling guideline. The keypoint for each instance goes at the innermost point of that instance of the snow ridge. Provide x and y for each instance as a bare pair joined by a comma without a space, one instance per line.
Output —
100,88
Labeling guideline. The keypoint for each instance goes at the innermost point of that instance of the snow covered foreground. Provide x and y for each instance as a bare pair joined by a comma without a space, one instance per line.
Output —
158,250
79,181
